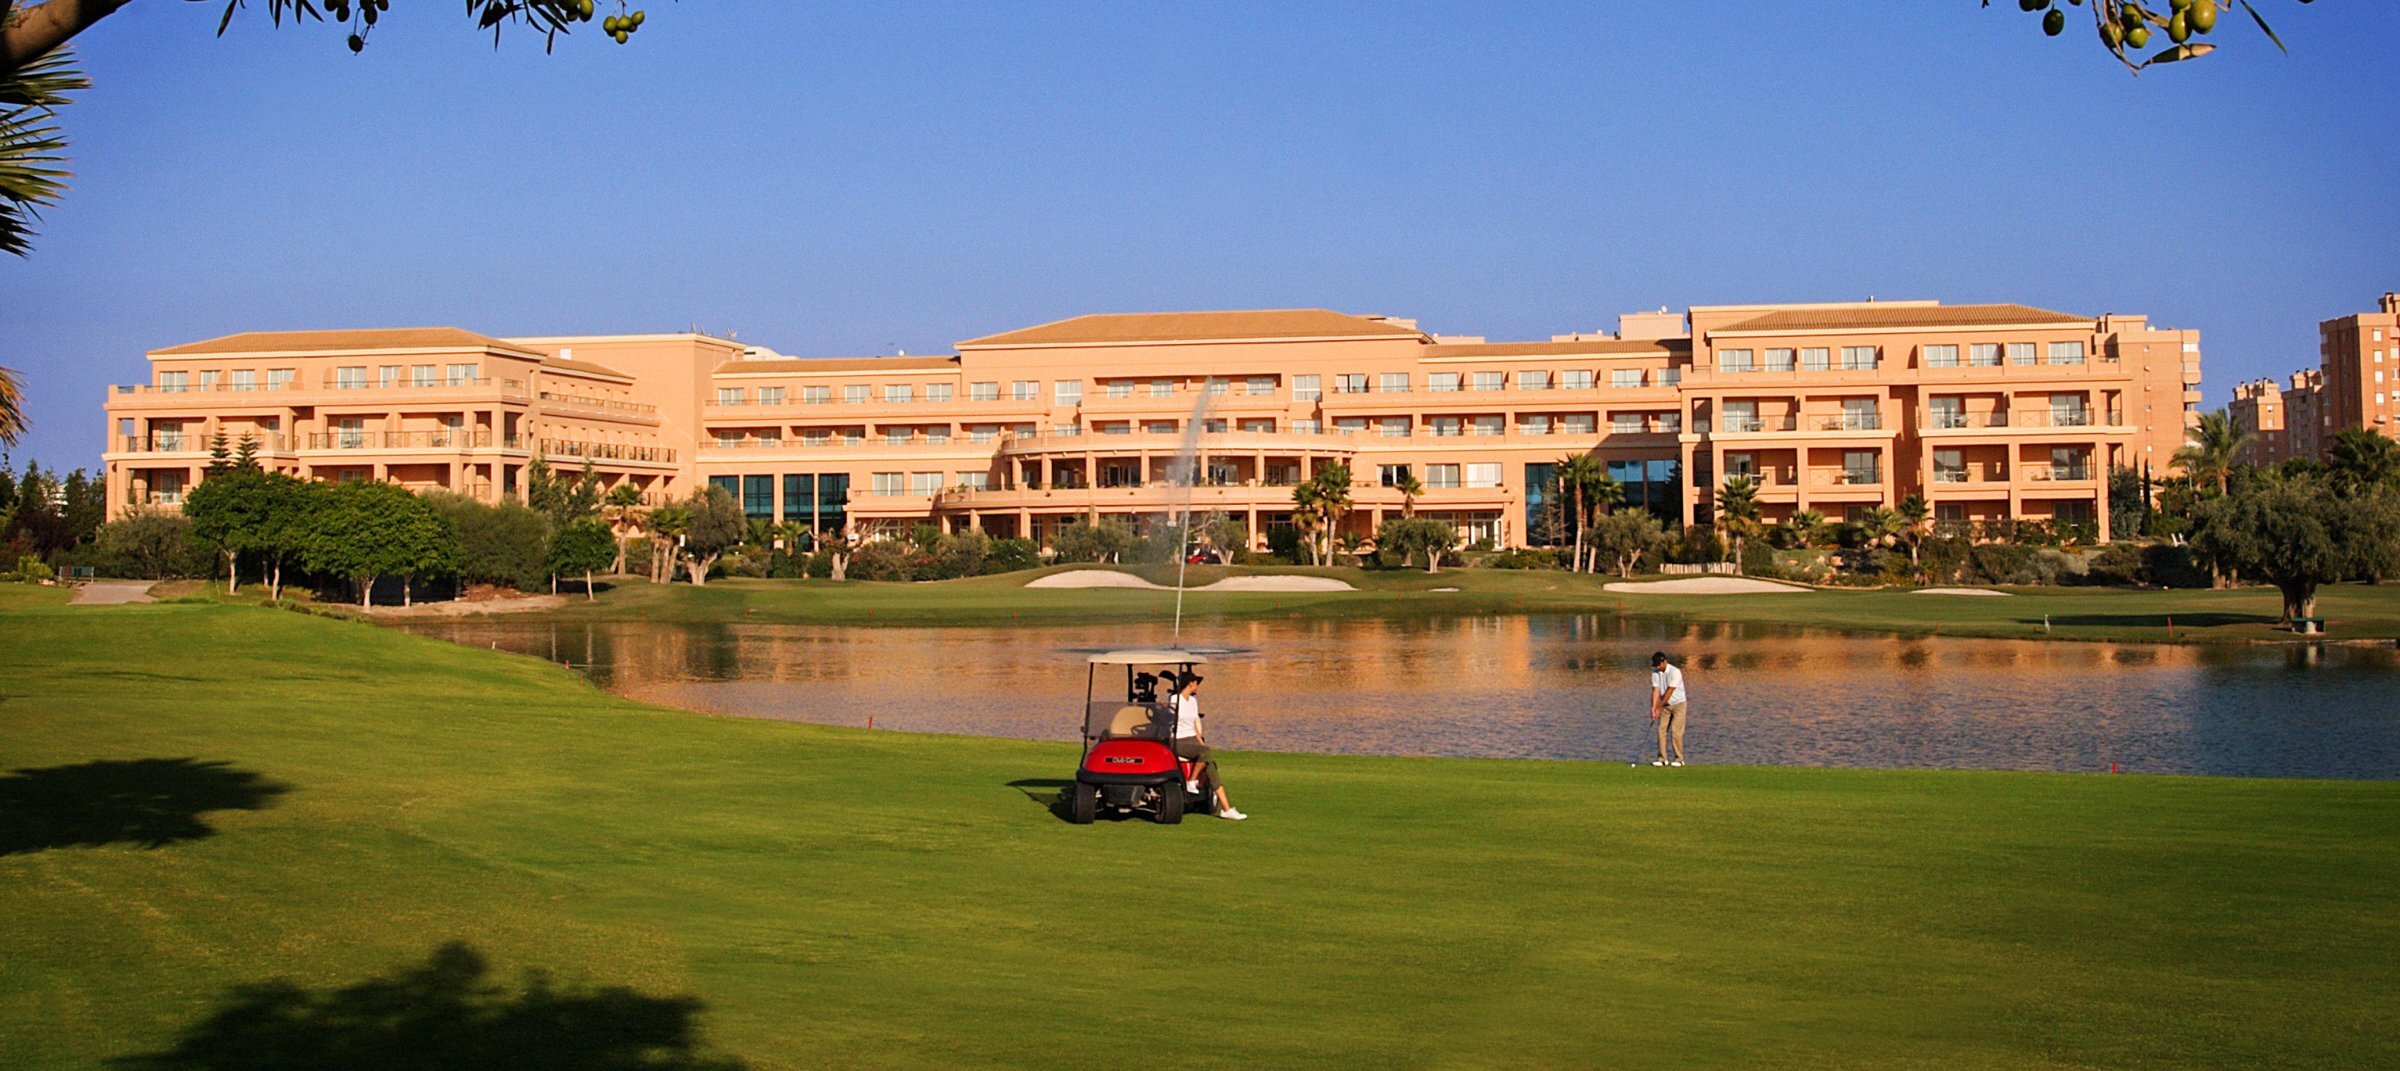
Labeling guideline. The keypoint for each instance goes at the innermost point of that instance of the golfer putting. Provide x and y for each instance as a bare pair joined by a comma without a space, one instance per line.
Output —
1667,706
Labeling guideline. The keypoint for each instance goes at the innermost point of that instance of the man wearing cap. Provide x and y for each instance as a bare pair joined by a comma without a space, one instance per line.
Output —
1667,703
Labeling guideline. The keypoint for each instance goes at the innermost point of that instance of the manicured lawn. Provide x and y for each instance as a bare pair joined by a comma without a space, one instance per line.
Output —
2238,615
212,797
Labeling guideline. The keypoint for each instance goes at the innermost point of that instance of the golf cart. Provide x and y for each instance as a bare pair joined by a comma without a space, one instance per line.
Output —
1129,761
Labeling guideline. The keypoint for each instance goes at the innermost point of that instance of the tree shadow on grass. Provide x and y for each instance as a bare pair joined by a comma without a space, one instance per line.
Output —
150,802
2206,620
445,1014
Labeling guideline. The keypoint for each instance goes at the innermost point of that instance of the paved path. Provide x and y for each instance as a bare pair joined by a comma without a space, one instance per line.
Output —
111,592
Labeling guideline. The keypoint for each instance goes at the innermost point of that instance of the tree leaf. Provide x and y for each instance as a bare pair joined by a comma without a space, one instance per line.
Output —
2264,28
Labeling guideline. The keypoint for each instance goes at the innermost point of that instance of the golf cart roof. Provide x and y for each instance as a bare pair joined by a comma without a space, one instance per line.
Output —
1148,656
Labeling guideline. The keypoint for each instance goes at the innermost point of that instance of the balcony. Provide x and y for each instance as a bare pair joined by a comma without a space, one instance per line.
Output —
2030,418
1851,422
596,405
408,440
603,451
2058,473
189,444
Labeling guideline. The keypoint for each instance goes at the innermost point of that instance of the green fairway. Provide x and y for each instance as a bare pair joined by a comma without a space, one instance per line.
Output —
2236,615
199,798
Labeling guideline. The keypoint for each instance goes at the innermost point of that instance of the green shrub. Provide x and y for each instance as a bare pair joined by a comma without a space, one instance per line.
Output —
883,559
2117,564
1011,555
2171,566
1523,558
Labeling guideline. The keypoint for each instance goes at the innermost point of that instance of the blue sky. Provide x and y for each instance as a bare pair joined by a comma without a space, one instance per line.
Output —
851,179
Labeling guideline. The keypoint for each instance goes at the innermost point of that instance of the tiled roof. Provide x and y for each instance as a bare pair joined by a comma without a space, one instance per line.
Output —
1199,327
586,367
844,364
1538,349
394,338
1912,315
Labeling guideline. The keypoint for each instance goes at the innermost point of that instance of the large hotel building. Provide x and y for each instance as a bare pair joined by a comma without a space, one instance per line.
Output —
1987,411
2356,384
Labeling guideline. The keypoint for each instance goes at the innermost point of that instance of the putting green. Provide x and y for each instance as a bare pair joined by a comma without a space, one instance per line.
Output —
210,797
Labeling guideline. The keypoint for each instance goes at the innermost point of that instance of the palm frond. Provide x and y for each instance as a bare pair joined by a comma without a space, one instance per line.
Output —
32,147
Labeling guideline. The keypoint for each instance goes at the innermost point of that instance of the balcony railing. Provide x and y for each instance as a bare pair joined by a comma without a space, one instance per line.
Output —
1851,422
2059,473
1950,476
424,384
164,444
198,388
407,440
605,405
605,451
2029,417
1859,476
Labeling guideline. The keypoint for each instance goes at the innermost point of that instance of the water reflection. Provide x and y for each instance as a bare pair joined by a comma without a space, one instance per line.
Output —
1555,686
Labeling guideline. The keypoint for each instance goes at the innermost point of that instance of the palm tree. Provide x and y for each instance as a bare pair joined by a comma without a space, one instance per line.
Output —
1913,514
1737,513
2215,448
1881,526
1319,504
667,525
1807,525
2360,459
1575,474
1409,487
12,408
31,150
623,508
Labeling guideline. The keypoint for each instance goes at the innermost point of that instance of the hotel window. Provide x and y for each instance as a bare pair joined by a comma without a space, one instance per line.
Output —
1949,466
462,375
1491,380
1483,474
982,433
1025,390
1445,427
1862,466
387,376
1984,355
1861,414
1737,361
1350,425
1212,426
1307,427
1441,476
350,433
730,396
1490,425
1625,423
1668,377
242,379
347,378
2070,463
1304,389
2066,353
1625,378
1533,425
1442,382
816,395
166,435
1781,360
896,434
1260,424
1531,380
1670,423
1217,386
888,484
937,433
1395,427
1350,383
1738,416
1945,413
1115,427
1160,388
1941,356
1120,388
899,393
1576,379
1261,386
1067,392
1392,383
2020,353
1744,465
2068,411
924,483
975,481
1066,431
1390,475
770,395
280,378
1860,358
983,392
853,436
855,394
421,375
1158,427
939,392
1576,424
1815,358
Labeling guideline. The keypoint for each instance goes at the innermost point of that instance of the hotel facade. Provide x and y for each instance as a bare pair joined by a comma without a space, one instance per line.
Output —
1988,412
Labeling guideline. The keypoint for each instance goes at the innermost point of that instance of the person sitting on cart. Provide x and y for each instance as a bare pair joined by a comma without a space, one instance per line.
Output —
1190,744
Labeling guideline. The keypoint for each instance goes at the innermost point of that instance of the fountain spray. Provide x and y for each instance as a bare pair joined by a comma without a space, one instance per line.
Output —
1185,473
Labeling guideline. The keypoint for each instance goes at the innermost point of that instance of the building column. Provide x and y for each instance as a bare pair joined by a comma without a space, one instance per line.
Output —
1689,492
1025,524
2100,472
1258,539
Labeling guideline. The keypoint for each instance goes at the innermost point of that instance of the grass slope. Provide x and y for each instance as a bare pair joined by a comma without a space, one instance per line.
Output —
2237,615
841,898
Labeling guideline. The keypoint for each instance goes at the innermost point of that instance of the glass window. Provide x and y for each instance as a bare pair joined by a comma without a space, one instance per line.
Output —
1261,424
1217,386
1781,360
1350,383
1390,475
816,395
1737,361
897,434
1261,386
1067,392
1025,390
351,378
1392,382
1861,466
1575,379
1576,424
937,433
1490,425
1533,380
1815,358
1738,416
758,497
1860,414
1069,431
730,396
1537,424
1483,474
982,433
1307,427
242,379
1445,427
1668,377
1949,466
938,392
1491,380
1442,382
1441,476
1941,356
2068,411
770,395
899,393
1984,355
1394,427
888,483
983,392
1741,465
1120,388
1625,423
1945,413
462,374
387,376
924,483
1861,358
975,481
855,394
2066,353
280,378
1624,378
2020,353
1304,388
1160,388
1350,425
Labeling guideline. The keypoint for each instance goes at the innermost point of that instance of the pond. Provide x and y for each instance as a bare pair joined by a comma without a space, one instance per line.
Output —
1556,686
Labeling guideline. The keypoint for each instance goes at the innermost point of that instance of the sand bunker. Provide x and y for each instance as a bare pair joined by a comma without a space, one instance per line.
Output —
1957,591
1104,578
1703,585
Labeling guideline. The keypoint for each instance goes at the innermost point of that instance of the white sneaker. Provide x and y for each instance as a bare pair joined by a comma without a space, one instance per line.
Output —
1658,762
1231,815
1677,762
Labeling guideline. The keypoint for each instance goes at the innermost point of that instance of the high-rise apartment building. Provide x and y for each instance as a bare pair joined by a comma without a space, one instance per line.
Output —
1987,411
2356,384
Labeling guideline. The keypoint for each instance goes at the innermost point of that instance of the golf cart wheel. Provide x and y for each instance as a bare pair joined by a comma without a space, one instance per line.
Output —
1170,804
1083,804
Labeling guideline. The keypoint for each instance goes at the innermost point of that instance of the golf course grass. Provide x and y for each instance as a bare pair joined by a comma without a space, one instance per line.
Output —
2239,615
234,837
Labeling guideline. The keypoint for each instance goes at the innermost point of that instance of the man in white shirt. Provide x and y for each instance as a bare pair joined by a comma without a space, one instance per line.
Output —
1667,703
